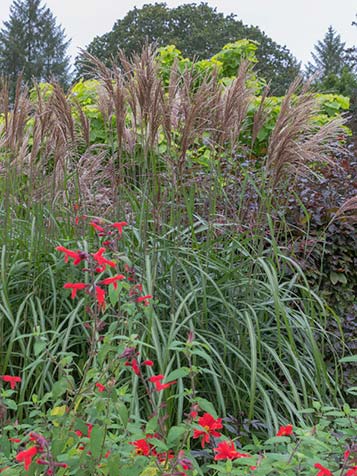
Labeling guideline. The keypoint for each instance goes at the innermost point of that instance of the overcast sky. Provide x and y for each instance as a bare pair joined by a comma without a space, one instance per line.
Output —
298,24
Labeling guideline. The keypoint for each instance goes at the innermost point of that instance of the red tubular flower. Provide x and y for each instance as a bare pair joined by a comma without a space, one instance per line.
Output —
148,363
227,450
101,388
210,425
156,380
119,226
100,296
133,363
99,258
114,280
11,380
75,255
75,287
285,430
142,447
163,386
15,440
144,299
97,227
26,457
323,471
352,471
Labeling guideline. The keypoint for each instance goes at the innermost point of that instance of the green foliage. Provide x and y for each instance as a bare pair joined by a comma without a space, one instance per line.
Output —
33,44
125,406
333,65
209,32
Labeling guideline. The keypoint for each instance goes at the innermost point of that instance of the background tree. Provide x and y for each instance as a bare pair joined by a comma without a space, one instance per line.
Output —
333,65
198,31
33,44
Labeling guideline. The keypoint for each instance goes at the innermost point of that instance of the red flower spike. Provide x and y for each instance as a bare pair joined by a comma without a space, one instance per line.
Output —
75,287
99,258
346,455
119,226
114,280
26,457
101,388
323,471
77,258
227,450
11,380
15,440
210,425
100,296
285,430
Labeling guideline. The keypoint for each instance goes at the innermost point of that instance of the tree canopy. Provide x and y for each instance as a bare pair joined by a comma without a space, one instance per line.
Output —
33,44
333,64
198,31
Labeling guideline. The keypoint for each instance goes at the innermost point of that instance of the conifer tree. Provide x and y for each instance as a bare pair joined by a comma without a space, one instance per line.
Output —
33,44
328,54
333,65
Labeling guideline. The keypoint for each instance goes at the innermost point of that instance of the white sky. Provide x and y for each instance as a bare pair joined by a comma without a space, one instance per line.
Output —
298,24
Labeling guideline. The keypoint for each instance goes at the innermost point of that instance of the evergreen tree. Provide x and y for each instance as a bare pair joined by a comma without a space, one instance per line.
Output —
33,44
333,65
198,31
328,55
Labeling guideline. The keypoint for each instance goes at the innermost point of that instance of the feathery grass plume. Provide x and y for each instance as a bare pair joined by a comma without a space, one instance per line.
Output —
14,132
63,119
232,108
349,205
144,86
295,141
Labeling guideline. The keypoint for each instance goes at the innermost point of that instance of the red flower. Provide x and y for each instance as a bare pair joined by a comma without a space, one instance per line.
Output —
100,295
101,388
156,380
11,380
227,450
323,471
119,226
210,425
99,258
80,434
76,256
142,447
133,363
75,287
352,471
15,440
96,226
26,456
144,299
285,430
148,363
114,280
